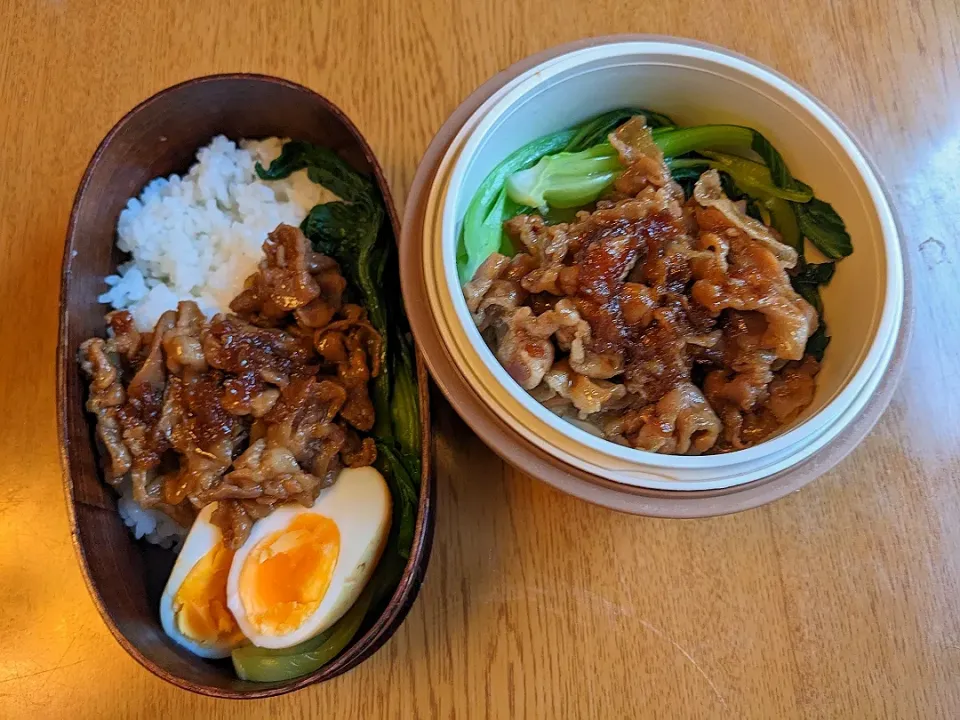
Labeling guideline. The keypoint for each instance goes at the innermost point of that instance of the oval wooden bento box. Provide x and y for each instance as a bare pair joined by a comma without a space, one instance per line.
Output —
159,137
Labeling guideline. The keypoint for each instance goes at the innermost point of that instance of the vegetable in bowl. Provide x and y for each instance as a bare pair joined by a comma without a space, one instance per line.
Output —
559,257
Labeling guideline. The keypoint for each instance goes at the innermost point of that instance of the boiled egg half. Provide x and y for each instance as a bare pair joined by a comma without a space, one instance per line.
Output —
193,607
302,568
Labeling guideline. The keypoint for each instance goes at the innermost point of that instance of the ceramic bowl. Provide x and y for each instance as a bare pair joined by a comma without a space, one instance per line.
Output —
693,83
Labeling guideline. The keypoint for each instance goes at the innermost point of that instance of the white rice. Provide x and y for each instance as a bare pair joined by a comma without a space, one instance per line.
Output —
150,525
198,237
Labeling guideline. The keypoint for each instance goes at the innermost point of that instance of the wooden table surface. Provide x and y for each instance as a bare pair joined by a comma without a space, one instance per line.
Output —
841,601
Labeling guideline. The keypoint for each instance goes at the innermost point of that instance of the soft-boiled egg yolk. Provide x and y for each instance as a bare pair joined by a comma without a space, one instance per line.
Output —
194,608
302,568
286,574
200,604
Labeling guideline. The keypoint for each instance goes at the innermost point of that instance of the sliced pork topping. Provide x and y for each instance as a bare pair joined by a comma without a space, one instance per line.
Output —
588,396
752,278
633,141
709,194
669,323
681,422
251,410
524,347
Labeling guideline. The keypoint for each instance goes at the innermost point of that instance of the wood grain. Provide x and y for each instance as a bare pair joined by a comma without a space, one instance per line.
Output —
839,601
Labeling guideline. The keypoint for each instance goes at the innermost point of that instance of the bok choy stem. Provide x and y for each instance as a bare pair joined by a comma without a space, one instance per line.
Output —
483,222
566,179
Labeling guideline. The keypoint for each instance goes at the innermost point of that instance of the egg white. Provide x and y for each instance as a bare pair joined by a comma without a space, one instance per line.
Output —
202,538
360,504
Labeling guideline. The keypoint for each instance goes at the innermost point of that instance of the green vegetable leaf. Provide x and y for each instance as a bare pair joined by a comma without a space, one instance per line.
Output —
483,221
681,141
405,495
822,226
755,178
778,168
405,406
595,131
816,273
784,221
807,283
656,120
818,342
811,293
759,211
566,179
323,166
263,665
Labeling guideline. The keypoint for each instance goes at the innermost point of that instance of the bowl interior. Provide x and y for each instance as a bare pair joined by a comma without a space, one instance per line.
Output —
158,138
694,85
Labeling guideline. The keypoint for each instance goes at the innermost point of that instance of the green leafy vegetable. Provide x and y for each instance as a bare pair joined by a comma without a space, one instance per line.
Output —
784,221
323,167
759,211
822,226
596,131
818,342
807,283
657,120
754,178
264,665
483,222
816,273
681,141
405,407
405,495
566,179
585,168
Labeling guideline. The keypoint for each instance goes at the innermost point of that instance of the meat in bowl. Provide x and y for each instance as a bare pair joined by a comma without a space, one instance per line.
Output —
669,319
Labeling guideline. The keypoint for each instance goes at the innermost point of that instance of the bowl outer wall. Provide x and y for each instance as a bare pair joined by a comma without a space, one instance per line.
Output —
523,452
95,524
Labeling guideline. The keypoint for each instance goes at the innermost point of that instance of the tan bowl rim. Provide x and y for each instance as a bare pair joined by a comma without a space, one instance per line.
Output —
405,594
525,454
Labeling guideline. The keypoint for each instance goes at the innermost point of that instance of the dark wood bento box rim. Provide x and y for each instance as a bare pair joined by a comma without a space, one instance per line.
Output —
406,591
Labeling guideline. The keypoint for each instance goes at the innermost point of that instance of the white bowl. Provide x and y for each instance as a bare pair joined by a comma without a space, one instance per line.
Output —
693,84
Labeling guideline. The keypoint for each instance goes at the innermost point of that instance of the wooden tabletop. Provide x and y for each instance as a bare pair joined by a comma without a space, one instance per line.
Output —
841,601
